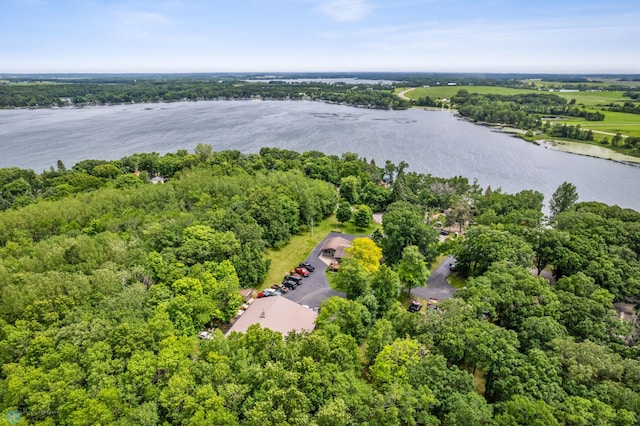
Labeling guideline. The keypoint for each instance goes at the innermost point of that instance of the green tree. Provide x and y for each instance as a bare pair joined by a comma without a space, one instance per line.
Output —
349,188
404,226
386,287
563,198
483,246
412,269
352,278
343,214
363,217
394,361
380,335
522,410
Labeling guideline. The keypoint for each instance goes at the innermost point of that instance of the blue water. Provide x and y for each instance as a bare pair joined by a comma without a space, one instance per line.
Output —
430,141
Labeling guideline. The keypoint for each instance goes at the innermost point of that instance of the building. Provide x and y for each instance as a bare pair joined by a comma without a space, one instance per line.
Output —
277,314
334,248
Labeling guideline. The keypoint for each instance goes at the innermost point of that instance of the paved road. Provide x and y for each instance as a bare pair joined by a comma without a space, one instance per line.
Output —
437,286
315,288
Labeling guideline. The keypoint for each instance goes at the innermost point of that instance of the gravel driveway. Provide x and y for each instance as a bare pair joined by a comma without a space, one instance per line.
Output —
315,288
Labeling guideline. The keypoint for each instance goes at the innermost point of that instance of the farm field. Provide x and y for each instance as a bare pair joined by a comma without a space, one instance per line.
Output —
595,99
625,123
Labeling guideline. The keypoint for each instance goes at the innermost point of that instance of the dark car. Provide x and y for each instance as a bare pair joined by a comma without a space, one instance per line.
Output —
290,284
309,266
296,278
415,306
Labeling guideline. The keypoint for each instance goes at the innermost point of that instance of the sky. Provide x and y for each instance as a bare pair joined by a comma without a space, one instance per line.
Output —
176,36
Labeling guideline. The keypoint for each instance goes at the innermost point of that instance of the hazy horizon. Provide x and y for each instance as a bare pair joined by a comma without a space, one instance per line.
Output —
198,36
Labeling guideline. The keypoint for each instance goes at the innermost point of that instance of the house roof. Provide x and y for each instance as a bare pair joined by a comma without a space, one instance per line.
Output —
338,244
276,313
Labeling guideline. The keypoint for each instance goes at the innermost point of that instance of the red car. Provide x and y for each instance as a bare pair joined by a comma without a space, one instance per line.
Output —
302,271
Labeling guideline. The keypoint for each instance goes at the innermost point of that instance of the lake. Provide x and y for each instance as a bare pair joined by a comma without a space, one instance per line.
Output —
430,141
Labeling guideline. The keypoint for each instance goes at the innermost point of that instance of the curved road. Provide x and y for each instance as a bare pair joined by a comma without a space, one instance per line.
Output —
403,94
437,285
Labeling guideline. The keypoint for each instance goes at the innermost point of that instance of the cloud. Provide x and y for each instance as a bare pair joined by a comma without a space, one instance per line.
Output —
345,10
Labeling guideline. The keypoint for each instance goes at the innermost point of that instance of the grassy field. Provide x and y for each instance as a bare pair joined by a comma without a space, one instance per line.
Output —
439,92
596,99
299,247
614,122
593,99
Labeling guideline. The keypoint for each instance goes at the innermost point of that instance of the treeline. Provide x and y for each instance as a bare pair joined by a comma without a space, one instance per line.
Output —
629,107
61,93
568,132
587,115
523,110
105,288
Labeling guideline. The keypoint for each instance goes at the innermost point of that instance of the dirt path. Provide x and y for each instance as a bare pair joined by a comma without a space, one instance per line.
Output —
403,94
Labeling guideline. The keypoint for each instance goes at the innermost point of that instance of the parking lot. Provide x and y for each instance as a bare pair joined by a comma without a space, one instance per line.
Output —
315,288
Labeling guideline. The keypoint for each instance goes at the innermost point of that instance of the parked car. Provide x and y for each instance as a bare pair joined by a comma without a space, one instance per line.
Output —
334,266
415,306
281,288
205,335
309,266
291,285
302,271
452,266
267,292
295,277
432,305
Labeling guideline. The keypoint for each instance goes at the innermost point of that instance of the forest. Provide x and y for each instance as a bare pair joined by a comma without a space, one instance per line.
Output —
106,279
104,91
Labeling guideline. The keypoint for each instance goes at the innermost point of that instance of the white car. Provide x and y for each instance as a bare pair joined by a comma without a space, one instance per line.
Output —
205,335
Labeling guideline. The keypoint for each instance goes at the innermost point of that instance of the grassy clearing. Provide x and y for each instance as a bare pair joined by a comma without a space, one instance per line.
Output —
456,281
479,382
299,247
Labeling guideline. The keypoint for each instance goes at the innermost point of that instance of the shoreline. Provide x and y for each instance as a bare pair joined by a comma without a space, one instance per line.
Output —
570,147
589,151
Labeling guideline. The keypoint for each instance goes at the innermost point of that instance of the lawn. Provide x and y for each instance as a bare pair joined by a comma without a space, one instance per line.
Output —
299,247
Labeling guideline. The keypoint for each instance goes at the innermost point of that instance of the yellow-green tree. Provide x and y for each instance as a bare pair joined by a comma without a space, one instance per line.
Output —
366,253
